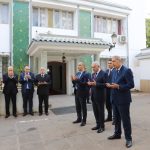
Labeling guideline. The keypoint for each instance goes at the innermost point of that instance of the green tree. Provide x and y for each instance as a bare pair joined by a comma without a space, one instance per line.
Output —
147,33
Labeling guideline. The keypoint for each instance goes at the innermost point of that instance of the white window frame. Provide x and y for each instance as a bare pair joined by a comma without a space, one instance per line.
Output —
107,18
1,3
39,20
60,21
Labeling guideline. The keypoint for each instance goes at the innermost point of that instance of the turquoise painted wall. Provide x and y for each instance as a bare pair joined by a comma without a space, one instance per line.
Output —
20,34
85,32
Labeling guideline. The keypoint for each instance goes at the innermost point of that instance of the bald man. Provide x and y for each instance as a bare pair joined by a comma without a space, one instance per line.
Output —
98,95
27,88
10,80
80,84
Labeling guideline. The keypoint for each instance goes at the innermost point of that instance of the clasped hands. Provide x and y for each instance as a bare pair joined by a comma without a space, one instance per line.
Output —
44,82
91,83
74,78
112,85
27,77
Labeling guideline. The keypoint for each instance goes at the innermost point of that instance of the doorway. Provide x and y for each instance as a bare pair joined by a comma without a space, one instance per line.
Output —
57,72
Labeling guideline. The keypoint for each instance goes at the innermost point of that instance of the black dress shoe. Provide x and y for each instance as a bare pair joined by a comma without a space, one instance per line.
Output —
83,124
129,144
100,130
24,114
108,119
77,121
15,115
7,116
95,128
113,137
46,114
32,114
40,114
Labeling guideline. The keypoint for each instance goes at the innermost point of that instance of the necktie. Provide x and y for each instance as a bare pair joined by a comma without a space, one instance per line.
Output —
117,74
109,72
95,75
79,75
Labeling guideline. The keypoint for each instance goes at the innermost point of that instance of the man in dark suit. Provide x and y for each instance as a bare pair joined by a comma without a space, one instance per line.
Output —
98,95
122,82
27,88
80,83
108,90
42,81
10,80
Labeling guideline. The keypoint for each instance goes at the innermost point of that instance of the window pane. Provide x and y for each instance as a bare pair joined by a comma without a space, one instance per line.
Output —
4,13
115,26
109,26
104,23
35,17
70,20
64,20
95,23
56,19
43,17
4,64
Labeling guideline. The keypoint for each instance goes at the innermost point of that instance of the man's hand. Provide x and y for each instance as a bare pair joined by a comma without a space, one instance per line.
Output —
112,86
73,78
92,83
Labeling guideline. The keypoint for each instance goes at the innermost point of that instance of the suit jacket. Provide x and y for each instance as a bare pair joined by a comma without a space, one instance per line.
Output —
98,91
125,80
42,89
24,83
109,80
10,84
80,84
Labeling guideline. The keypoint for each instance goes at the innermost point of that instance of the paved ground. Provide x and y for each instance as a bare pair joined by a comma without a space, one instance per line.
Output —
56,132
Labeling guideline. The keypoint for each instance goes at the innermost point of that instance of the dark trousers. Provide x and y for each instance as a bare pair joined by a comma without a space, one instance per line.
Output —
81,108
88,96
11,97
28,99
41,99
98,109
108,104
122,112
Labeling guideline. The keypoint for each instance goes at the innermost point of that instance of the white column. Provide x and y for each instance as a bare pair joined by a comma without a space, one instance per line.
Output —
70,71
43,60
96,57
0,67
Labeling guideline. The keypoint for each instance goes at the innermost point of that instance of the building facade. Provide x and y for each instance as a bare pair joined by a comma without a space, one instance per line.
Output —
59,34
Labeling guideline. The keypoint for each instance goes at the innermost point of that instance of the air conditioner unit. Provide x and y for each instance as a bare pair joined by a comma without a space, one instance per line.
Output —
122,39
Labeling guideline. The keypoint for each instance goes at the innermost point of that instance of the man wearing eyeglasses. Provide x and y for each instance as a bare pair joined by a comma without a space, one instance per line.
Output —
27,88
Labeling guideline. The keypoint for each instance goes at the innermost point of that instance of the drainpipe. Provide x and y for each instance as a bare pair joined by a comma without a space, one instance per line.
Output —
30,26
127,44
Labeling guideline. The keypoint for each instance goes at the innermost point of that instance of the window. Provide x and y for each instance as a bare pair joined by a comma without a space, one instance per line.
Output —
35,16
56,19
63,19
4,64
107,25
40,17
4,13
43,17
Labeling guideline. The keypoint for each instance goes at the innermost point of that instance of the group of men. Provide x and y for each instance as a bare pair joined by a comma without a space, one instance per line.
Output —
27,80
111,86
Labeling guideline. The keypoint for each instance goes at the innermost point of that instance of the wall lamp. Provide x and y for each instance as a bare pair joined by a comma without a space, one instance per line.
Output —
114,40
